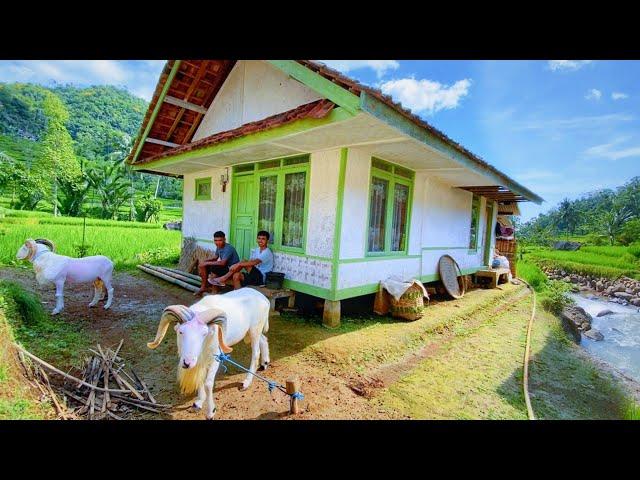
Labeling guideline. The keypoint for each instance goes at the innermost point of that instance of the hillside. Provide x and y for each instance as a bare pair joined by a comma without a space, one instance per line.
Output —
101,123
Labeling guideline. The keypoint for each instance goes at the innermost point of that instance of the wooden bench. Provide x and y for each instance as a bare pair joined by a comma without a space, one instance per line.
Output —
494,274
273,295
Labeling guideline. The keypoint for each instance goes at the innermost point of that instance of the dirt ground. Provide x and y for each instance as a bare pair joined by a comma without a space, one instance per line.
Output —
138,301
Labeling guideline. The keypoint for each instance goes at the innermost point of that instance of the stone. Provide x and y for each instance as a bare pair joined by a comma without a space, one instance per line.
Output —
173,225
594,335
635,302
623,295
564,245
599,286
576,318
584,289
604,312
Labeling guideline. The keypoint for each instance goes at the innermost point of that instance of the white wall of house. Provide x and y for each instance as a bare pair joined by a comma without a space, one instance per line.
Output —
203,217
253,90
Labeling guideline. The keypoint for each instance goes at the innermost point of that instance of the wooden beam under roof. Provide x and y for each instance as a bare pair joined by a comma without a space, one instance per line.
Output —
184,104
161,142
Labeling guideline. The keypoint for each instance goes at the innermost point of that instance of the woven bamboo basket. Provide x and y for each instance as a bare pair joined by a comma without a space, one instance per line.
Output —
509,248
410,306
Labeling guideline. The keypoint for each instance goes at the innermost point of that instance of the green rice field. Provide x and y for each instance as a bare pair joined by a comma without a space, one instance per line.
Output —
126,243
604,261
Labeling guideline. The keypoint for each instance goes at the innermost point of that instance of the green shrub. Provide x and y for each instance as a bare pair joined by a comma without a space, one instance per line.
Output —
634,250
533,275
554,298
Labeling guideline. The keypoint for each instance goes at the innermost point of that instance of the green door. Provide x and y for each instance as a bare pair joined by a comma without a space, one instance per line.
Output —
242,215
488,254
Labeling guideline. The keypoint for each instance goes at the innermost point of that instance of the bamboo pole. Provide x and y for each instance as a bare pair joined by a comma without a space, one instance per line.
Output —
177,276
183,273
180,283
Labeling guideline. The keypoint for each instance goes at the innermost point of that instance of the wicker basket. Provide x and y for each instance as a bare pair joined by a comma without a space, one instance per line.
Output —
509,248
410,306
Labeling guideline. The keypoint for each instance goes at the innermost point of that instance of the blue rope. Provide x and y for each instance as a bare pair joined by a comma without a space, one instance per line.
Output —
271,385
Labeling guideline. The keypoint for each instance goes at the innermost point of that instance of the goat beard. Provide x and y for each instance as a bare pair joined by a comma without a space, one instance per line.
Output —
190,378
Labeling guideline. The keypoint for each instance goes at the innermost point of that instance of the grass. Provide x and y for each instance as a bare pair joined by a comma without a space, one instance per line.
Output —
17,400
44,336
479,376
606,261
126,243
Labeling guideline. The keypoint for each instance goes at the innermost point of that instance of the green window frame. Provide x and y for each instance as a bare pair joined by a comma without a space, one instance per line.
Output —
286,172
474,229
399,185
203,189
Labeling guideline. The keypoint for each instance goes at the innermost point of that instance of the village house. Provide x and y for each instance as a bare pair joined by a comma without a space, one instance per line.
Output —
352,187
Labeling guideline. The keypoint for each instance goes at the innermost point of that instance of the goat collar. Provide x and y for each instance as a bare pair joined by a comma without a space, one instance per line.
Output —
39,254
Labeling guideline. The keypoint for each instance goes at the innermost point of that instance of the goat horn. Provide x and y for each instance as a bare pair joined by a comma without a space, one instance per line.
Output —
219,317
171,314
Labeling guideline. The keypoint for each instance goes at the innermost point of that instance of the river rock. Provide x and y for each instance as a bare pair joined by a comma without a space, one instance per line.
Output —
599,286
623,295
604,312
577,318
593,334
635,302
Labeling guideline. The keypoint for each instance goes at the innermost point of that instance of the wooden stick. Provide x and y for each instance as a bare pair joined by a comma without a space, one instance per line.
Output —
144,386
180,283
142,402
138,404
293,384
60,372
105,364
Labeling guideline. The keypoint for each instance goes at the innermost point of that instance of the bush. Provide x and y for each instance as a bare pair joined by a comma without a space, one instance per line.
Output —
533,275
630,232
555,298
634,250
596,240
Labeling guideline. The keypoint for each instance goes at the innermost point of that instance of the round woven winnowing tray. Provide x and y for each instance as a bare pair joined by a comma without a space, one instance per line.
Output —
449,273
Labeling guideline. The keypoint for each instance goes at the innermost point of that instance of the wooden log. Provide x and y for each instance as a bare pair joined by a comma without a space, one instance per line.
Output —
144,386
192,279
183,273
180,283
293,384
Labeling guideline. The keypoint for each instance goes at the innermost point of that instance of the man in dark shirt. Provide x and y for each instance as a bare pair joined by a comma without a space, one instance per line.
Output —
224,257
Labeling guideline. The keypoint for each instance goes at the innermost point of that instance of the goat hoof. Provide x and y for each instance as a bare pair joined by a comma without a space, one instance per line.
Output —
243,387
196,406
210,417
91,305
263,366
55,312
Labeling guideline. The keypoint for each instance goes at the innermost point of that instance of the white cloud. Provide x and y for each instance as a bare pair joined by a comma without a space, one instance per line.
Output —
593,94
587,122
426,96
567,65
612,150
139,77
619,96
379,66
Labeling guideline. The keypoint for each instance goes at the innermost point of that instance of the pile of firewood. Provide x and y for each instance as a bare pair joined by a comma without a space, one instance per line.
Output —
105,391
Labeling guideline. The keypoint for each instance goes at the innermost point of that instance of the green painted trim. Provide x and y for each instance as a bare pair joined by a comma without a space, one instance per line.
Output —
355,291
476,203
198,182
393,179
308,289
336,115
378,258
337,232
154,114
317,82
488,234
445,248
380,110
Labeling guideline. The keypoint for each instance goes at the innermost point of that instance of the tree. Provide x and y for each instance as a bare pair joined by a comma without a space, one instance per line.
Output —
567,217
58,161
148,208
109,181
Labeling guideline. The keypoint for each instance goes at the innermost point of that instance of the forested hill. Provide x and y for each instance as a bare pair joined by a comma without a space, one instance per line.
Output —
99,117
70,137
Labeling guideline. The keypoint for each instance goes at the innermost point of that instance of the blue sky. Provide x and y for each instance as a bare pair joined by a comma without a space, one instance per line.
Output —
560,127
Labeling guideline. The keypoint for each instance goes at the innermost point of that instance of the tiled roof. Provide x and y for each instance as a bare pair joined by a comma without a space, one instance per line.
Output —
316,109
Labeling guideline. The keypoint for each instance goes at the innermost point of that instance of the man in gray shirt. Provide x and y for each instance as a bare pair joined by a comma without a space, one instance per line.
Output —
223,259
256,268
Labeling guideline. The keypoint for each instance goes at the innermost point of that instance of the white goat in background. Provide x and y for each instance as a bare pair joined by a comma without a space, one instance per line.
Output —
208,327
58,269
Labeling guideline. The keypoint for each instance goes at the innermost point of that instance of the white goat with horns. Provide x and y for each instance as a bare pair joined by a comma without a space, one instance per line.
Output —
58,269
210,326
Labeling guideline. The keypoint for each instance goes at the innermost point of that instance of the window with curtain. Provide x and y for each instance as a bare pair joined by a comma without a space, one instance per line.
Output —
389,206
293,214
475,221
267,205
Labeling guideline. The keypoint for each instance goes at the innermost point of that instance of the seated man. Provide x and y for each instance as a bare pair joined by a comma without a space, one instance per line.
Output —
259,264
223,258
